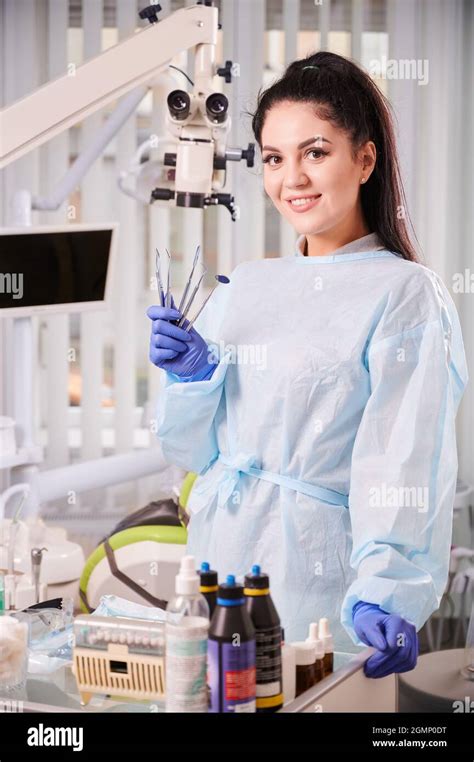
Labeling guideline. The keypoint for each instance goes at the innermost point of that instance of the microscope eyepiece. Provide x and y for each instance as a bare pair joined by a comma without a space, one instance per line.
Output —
179,104
216,107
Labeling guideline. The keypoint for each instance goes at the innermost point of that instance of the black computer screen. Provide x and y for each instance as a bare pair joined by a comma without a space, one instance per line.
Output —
45,268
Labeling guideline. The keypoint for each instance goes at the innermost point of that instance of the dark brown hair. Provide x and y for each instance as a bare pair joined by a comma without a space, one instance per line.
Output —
344,94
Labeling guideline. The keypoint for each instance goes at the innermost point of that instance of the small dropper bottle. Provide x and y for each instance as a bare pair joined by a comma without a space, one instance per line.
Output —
328,643
318,644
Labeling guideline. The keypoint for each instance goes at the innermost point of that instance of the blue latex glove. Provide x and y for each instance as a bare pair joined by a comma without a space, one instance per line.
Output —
394,638
175,350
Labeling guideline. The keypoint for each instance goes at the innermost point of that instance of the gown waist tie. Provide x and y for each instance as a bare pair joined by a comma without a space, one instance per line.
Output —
225,474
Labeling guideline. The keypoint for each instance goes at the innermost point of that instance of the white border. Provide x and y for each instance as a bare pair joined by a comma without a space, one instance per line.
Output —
71,307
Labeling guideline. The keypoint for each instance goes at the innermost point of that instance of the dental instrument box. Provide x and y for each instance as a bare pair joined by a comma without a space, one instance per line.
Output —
119,656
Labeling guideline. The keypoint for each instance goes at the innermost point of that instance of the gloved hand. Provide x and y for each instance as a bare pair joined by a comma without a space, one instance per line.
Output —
394,638
175,350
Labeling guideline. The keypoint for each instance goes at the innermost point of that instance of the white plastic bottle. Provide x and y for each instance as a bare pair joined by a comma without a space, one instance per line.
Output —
328,643
187,626
288,669
313,637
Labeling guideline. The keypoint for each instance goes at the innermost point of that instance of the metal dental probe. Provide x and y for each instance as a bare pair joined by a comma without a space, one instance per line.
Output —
159,282
191,299
188,284
168,295
219,279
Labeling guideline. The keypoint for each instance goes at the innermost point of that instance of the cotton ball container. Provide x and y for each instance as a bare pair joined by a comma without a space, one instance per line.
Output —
13,651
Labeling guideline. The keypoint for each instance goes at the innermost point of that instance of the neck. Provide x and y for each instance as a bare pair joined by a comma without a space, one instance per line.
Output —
321,244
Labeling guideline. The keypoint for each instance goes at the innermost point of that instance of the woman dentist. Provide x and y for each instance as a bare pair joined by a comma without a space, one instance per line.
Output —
316,394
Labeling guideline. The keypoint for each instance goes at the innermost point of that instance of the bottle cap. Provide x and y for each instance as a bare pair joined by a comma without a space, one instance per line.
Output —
230,590
207,576
256,579
313,632
187,581
305,653
315,640
325,635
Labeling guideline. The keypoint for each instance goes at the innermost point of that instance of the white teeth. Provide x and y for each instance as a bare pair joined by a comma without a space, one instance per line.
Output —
303,201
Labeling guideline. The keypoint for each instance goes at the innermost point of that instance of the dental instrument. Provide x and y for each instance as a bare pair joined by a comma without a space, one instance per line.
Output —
168,294
220,279
159,282
191,299
188,284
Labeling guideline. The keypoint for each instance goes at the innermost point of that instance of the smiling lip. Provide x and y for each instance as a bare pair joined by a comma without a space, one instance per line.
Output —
304,207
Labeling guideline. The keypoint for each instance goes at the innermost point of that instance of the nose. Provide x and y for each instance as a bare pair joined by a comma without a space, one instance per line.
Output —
295,176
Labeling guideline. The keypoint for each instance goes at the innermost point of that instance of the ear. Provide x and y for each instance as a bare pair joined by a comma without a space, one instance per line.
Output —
368,157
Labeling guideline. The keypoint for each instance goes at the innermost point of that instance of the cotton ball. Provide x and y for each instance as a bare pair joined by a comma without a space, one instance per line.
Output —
13,646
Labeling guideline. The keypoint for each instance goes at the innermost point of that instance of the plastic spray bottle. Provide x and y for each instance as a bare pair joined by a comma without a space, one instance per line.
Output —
187,626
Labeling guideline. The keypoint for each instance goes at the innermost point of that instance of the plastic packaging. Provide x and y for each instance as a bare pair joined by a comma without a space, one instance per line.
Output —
113,605
50,630
40,664
141,636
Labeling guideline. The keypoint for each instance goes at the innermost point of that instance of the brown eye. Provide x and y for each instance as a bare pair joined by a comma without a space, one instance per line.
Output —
267,158
317,151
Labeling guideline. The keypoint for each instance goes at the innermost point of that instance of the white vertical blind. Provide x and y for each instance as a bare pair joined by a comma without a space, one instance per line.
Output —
93,189
357,25
55,162
324,15
191,221
435,127
291,25
159,220
403,27
125,328
435,133
23,29
246,22
224,223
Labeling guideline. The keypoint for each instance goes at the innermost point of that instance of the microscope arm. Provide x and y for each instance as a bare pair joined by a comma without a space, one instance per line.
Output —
35,119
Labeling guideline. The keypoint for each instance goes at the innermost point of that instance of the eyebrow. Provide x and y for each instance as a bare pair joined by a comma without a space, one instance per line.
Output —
301,145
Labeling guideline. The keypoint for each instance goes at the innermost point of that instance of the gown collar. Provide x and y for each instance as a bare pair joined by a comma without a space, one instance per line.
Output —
369,246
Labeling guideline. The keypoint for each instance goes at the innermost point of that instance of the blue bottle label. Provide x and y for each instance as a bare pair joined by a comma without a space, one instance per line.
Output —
232,676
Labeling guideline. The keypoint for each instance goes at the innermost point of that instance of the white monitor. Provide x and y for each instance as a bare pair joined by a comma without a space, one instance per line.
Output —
47,269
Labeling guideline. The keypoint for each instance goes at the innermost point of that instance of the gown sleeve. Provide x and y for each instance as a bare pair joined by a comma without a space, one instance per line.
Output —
186,411
404,460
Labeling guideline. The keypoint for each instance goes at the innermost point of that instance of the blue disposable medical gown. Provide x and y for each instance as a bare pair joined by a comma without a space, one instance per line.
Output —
325,440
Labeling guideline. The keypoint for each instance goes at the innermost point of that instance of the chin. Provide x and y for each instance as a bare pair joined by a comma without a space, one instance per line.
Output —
310,228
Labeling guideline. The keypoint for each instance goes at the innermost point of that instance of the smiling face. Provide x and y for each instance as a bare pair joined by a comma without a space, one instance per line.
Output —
324,168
